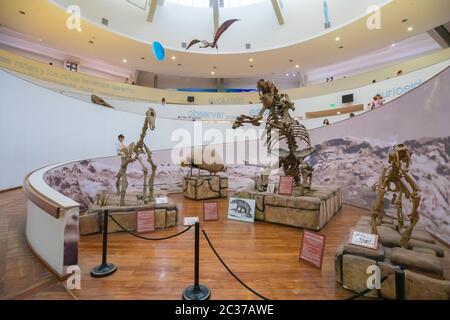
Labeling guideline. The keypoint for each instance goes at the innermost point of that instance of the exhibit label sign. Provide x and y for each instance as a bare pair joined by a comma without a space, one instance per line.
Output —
145,221
162,200
285,186
210,211
190,221
312,248
271,188
365,240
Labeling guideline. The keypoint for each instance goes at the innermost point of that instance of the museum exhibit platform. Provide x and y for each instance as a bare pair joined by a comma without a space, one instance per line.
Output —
205,187
311,211
166,214
423,263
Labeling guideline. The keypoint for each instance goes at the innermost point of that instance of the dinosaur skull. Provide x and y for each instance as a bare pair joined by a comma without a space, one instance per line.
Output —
151,116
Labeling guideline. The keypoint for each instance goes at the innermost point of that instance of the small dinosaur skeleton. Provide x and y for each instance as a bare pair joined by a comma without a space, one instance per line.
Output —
396,179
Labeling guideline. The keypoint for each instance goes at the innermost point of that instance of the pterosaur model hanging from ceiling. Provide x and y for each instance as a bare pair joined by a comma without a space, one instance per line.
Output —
219,32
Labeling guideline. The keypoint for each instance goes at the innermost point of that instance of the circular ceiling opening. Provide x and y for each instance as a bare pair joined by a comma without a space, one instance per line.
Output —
222,3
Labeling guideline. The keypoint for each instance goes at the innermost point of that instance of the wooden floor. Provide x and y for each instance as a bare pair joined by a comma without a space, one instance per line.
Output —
263,255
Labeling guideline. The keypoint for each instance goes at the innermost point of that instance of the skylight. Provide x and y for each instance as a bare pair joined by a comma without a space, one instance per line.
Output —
222,3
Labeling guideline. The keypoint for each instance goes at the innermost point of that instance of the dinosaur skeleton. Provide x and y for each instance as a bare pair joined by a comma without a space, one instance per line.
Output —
280,126
396,179
133,153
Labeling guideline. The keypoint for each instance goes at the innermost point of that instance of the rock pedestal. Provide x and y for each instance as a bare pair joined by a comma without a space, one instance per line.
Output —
205,187
311,211
166,215
422,262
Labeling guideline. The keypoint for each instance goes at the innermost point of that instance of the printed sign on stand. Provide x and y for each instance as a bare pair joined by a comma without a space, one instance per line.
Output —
365,240
190,221
285,186
210,211
312,248
145,221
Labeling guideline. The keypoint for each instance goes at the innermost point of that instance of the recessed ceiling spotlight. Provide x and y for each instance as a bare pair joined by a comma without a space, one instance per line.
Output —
142,58
405,20
251,66
79,29
40,40
341,47
287,74
393,45
124,60
91,42
213,73
410,29
297,66
174,58
251,59
338,38
291,60
22,12
214,67
179,64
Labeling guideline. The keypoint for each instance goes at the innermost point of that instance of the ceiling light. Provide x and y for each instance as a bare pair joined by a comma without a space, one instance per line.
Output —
338,39
174,58
213,73
287,74
22,12
142,58
393,45
79,29
124,60
251,59
405,20
410,29
338,112
297,66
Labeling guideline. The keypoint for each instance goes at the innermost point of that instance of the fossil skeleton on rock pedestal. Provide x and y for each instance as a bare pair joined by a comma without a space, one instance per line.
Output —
281,127
396,179
133,153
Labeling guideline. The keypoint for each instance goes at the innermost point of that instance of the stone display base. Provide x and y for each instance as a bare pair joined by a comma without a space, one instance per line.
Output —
205,187
422,262
311,211
166,215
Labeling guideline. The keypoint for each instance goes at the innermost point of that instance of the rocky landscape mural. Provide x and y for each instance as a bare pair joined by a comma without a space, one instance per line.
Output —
350,162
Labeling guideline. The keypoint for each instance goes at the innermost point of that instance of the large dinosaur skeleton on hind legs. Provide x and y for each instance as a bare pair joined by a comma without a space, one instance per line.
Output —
292,159
133,153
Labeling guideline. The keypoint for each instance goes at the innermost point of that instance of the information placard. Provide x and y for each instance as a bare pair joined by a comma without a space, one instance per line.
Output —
362,239
162,200
285,186
210,211
190,221
312,248
145,221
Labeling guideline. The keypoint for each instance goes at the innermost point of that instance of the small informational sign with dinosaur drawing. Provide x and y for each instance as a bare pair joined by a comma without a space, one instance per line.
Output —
241,209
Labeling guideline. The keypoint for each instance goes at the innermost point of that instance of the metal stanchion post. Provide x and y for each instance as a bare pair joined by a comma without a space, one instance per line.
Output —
197,291
400,284
105,269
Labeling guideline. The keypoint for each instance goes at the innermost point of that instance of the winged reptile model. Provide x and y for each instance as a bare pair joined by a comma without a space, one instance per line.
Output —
218,34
